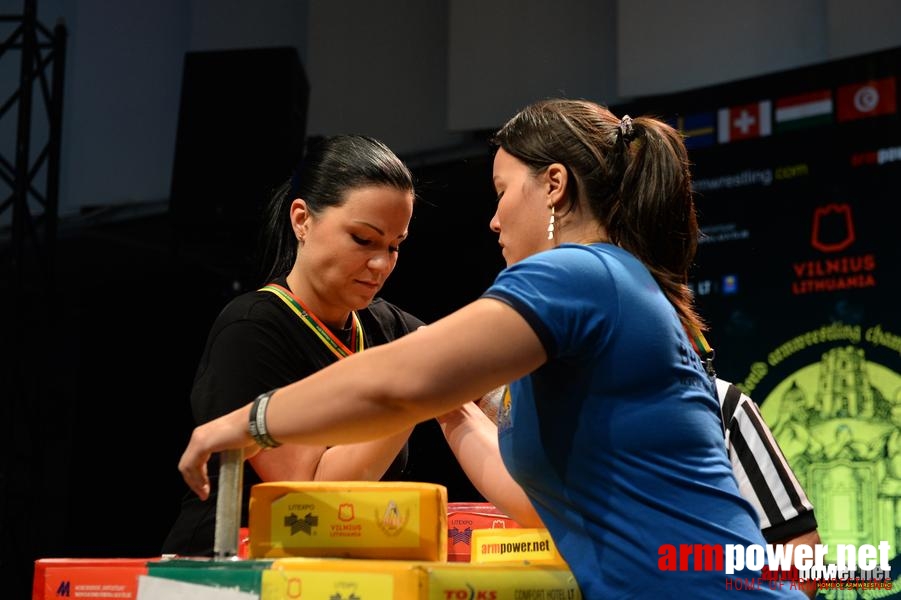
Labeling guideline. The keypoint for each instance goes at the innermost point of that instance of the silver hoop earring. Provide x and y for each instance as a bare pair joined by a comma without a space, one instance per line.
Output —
550,225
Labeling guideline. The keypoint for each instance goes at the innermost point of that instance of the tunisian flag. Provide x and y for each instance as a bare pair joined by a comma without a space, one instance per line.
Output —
866,99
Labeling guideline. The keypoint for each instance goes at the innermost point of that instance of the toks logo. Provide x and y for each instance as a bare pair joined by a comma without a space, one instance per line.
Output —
469,594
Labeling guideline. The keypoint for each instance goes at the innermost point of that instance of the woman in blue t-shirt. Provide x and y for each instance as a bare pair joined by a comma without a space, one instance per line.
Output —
611,425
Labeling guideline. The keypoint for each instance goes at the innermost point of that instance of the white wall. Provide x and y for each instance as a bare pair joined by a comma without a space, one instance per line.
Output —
229,24
698,43
675,46
861,27
123,74
507,53
419,75
380,68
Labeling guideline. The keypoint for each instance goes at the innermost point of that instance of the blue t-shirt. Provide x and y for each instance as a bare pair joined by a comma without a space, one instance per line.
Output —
617,438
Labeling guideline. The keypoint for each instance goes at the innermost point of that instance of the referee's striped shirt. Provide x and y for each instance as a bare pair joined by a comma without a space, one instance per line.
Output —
764,477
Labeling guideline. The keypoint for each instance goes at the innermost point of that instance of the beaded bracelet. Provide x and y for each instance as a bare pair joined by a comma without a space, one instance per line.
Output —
258,430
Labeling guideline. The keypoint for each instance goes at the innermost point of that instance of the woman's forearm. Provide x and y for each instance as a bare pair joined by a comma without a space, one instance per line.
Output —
472,436
364,461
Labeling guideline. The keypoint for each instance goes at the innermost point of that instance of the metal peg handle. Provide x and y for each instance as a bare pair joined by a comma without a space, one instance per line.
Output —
228,503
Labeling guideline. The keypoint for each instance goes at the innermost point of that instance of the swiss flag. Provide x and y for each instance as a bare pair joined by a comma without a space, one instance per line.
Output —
866,99
744,122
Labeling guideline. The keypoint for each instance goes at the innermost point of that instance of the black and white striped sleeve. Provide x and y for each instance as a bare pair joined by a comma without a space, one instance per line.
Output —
764,476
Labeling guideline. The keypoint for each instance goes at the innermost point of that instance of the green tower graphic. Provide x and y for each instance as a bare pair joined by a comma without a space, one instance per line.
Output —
839,424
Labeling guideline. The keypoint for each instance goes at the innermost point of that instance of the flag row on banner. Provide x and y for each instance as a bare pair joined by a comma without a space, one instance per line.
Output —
871,98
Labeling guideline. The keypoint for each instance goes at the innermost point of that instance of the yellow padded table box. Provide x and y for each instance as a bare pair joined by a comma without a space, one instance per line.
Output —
450,581
350,519
294,578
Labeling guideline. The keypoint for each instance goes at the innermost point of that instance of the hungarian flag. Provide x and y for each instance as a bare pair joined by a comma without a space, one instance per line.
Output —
866,99
804,110
744,122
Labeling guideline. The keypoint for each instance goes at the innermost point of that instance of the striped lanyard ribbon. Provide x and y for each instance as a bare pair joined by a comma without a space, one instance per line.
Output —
699,342
322,332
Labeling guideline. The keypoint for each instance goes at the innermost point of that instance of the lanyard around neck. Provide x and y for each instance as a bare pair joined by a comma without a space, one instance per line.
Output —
324,334
699,342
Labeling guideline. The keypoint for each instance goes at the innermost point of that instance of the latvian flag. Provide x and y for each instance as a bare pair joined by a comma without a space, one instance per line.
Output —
804,110
865,99
744,122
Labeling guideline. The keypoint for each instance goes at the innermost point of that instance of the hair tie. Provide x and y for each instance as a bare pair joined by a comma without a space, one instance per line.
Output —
626,130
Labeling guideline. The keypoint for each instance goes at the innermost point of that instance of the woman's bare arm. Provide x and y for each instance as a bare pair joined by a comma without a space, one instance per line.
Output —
386,389
364,461
472,436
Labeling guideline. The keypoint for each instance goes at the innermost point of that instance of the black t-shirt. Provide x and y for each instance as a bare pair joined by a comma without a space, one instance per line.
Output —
257,344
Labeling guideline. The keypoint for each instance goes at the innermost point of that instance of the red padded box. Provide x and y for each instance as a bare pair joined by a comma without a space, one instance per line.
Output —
463,518
88,578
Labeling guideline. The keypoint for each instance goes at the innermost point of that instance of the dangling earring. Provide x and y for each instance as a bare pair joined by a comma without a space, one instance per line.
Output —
550,225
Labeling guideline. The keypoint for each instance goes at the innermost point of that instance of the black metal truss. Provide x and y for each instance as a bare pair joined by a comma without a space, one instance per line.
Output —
33,230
